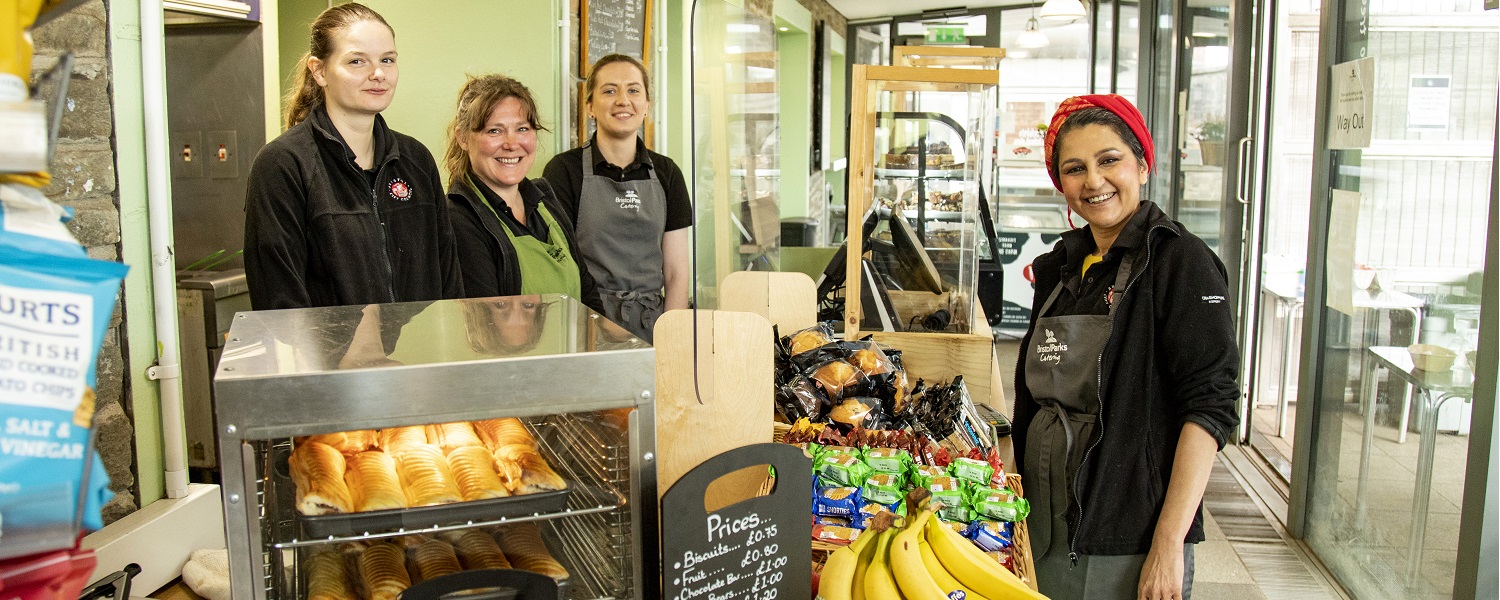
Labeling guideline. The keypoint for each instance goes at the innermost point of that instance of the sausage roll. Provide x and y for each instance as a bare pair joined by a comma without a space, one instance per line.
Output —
382,568
347,442
503,432
328,577
452,435
536,474
318,472
426,477
523,546
373,482
477,550
398,440
474,470
434,559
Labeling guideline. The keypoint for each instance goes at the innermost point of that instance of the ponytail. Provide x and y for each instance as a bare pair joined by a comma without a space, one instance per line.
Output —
303,96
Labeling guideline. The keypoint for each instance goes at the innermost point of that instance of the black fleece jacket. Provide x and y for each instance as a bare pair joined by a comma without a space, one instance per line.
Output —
320,232
485,253
1171,359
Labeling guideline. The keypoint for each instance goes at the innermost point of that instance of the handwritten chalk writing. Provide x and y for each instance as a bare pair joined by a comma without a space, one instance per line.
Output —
718,529
691,558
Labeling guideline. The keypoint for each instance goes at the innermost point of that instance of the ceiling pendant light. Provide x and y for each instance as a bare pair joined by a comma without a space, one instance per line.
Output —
1033,36
1062,10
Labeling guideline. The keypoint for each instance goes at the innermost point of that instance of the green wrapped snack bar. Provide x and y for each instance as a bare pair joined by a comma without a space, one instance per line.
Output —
922,475
884,488
842,469
888,460
949,492
1001,505
973,470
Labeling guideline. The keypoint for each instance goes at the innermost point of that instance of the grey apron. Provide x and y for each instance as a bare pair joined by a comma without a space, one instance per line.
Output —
1062,372
620,228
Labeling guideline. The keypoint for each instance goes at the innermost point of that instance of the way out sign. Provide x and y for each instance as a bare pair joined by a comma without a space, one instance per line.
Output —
1353,105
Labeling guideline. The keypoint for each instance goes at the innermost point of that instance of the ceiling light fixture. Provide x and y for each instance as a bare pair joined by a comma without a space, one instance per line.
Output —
1033,36
1062,10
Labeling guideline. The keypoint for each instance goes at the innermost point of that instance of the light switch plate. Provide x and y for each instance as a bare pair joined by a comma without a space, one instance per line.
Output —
187,145
227,165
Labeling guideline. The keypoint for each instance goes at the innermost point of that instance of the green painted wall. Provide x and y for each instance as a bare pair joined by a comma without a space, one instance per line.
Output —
135,247
794,85
518,39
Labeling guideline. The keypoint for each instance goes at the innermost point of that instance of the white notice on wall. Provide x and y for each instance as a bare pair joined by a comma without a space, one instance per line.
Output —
1343,225
1427,102
1353,105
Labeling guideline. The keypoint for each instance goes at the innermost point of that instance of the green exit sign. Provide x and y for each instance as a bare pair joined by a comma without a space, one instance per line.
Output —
938,34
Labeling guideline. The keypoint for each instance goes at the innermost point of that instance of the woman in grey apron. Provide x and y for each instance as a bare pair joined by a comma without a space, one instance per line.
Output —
1114,463
630,204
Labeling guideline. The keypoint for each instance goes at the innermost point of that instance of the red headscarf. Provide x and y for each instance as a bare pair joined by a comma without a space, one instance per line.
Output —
1111,102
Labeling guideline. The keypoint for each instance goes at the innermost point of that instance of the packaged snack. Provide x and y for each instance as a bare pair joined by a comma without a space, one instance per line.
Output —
1004,558
845,450
868,357
969,469
836,521
811,338
800,398
869,510
958,527
922,475
991,536
857,413
836,377
888,460
949,493
944,484
884,488
837,502
834,534
958,513
1002,505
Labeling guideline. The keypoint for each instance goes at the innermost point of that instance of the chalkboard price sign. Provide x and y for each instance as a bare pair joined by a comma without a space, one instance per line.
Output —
756,549
614,27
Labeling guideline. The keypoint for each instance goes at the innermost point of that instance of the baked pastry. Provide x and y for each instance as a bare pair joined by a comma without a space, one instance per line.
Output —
382,570
474,470
397,440
434,559
535,474
328,577
373,482
503,432
318,472
809,340
477,549
426,478
452,435
525,550
347,442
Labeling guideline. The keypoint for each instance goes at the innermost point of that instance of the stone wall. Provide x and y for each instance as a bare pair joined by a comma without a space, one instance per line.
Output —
83,177
824,12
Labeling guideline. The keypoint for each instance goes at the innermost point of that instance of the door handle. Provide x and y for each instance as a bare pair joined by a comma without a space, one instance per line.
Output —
1242,168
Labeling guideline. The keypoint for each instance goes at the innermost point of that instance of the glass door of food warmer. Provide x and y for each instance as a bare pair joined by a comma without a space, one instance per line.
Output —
1396,257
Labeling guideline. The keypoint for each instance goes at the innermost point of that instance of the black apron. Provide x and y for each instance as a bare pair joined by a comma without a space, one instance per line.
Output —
619,231
1062,373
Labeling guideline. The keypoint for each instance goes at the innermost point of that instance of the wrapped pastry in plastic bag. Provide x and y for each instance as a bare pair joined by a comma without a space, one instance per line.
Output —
811,338
839,379
801,398
855,412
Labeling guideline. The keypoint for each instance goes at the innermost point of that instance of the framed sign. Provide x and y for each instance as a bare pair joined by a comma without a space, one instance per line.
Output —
613,27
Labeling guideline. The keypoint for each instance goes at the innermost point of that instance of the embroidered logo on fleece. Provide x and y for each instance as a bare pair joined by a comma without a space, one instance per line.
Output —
1214,299
400,190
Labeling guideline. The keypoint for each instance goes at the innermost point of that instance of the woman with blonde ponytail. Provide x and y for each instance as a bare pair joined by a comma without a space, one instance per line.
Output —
341,209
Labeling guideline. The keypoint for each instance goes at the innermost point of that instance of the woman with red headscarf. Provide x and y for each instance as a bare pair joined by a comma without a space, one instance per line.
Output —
1126,386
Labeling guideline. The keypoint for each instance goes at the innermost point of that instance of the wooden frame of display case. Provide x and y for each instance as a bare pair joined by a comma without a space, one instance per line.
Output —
947,56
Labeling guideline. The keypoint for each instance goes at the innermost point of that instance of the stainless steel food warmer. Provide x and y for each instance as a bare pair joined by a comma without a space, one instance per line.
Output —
581,385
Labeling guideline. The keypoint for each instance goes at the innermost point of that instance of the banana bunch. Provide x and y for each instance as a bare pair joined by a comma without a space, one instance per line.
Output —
920,560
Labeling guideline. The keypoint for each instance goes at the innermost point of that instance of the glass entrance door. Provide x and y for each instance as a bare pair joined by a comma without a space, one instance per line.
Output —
1395,258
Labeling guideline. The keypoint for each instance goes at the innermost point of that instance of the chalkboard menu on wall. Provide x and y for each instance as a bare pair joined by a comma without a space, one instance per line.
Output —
757,549
613,27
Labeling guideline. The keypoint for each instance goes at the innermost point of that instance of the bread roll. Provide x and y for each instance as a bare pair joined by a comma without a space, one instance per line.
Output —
523,546
328,577
474,469
535,474
318,473
382,568
426,478
477,550
503,432
397,440
452,435
434,559
373,482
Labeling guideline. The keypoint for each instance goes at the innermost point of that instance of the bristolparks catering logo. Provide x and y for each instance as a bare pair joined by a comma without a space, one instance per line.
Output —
400,190
629,201
1050,351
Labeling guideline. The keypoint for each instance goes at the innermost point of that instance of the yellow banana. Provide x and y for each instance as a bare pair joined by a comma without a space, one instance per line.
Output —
940,573
866,553
879,584
906,563
974,568
837,582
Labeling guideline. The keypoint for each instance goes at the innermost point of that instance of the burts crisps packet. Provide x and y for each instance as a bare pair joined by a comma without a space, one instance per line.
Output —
55,306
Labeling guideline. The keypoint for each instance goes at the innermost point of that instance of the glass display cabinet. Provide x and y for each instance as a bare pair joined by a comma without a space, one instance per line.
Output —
917,152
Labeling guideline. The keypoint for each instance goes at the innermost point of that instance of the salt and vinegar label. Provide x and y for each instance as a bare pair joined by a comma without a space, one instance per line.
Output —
758,548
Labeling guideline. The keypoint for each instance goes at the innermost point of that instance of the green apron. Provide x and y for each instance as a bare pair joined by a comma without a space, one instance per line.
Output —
546,267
